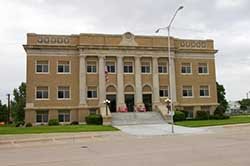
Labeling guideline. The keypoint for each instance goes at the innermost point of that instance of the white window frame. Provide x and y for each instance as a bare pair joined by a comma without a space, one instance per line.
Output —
107,64
42,98
160,65
144,65
163,88
126,65
208,88
92,88
42,71
64,113
207,68
187,93
91,61
64,67
191,69
64,93
42,117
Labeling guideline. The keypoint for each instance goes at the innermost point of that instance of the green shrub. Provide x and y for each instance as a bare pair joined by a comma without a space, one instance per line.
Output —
74,123
19,123
179,116
218,117
202,115
28,124
94,119
185,113
53,122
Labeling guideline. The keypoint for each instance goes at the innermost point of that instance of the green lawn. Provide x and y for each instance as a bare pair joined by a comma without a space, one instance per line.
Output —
202,123
54,129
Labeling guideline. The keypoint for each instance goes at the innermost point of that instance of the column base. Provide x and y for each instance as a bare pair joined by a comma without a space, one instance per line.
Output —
140,107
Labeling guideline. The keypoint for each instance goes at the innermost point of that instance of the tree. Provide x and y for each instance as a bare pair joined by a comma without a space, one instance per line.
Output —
221,96
244,104
3,112
17,106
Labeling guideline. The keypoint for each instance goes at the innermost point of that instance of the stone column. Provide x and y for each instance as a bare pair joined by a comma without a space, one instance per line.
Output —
102,81
120,84
138,84
172,82
82,79
156,96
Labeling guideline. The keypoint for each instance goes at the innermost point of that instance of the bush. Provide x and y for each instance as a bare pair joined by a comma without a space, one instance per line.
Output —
53,122
28,124
19,123
185,113
94,119
179,116
202,115
74,123
218,117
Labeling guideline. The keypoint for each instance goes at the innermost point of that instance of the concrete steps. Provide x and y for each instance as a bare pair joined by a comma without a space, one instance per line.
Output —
132,118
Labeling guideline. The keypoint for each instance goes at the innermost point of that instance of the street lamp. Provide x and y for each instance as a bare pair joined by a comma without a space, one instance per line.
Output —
106,102
169,61
171,113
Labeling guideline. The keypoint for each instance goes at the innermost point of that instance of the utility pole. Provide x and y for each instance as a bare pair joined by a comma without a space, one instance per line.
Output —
8,120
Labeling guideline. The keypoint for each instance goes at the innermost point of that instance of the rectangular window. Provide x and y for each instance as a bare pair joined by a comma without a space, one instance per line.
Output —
203,68
91,67
63,92
128,67
163,91
186,68
42,66
64,116
204,91
145,67
162,67
110,67
42,116
92,92
187,91
42,92
63,67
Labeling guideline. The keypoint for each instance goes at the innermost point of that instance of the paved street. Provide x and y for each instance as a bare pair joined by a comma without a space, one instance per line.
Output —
224,146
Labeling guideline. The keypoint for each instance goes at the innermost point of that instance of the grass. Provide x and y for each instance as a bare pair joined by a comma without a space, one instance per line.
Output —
54,129
203,123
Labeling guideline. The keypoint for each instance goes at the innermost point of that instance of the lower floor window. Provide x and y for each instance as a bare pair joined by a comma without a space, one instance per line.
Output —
42,116
64,116
92,92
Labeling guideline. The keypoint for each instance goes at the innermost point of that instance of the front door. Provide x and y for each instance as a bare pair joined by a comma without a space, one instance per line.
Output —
147,100
129,100
112,105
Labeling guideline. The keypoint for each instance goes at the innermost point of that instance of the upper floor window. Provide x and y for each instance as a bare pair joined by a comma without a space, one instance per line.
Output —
42,116
63,92
42,66
92,92
64,116
110,67
145,67
42,92
204,91
91,67
187,91
164,91
162,67
203,68
128,67
186,68
63,67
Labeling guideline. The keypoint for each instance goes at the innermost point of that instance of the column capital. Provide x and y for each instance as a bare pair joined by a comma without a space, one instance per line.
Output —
155,57
101,56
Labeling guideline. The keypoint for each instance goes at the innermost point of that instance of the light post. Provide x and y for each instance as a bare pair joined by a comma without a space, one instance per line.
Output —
106,102
171,113
170,62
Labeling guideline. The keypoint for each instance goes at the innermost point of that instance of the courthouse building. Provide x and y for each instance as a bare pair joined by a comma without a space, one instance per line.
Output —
70,76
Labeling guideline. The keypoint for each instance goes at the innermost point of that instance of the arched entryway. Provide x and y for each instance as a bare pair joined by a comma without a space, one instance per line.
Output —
129,95
147,97
111,96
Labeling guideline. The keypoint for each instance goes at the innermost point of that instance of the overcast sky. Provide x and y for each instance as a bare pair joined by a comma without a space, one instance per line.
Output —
227,22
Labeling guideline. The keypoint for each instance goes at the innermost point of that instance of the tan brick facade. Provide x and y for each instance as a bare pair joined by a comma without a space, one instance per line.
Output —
95,49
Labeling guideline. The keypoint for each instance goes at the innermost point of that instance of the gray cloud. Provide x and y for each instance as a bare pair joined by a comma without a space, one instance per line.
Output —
225,21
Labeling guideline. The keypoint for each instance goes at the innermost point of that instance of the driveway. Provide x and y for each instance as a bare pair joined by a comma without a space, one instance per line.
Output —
159,129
